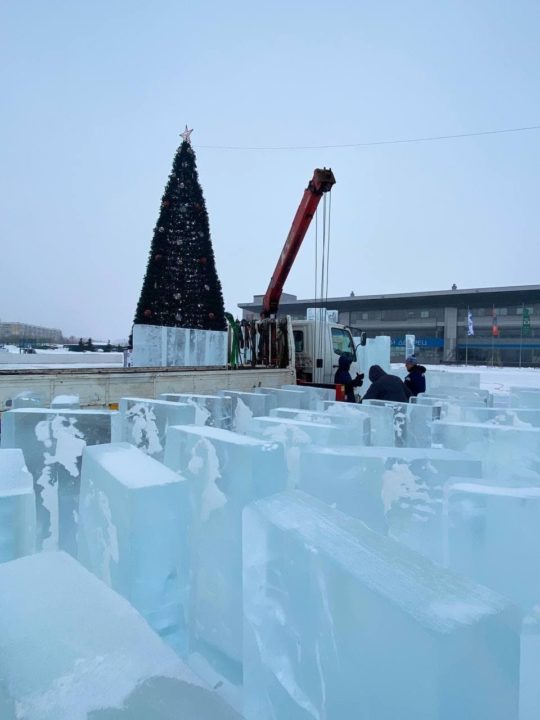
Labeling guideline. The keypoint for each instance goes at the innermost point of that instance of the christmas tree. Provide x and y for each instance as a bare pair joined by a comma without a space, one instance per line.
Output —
181,287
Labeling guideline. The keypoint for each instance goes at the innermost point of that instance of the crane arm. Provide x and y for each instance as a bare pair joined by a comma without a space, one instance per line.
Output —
321,182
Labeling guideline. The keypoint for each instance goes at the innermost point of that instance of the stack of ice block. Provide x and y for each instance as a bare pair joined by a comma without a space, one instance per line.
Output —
355,427
398,491
72,649
213,410
508,453
341,622
52,442
17,507
224,472
144,422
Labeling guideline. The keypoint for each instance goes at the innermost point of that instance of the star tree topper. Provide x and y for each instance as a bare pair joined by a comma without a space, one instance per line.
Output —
186,135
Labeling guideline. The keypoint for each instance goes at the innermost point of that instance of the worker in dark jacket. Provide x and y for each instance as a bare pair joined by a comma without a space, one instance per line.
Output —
343,377
385,387
415,382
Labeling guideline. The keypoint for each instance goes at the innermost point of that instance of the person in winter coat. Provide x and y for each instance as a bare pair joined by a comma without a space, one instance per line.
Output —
385,387
343,377
415,382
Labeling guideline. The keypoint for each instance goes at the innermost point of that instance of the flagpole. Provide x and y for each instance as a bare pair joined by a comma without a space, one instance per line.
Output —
492,337
467,338
521,335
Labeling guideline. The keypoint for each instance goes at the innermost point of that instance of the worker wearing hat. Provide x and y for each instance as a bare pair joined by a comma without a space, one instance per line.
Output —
415,381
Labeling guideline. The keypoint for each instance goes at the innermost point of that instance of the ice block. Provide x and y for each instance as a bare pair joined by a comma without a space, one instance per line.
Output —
285,398
341,622
246,406
133,534
63,402
412,422
396,491
52,442
494,538
381,419
508,453
355,427
72,649
213,410
224,472
17,507
145,422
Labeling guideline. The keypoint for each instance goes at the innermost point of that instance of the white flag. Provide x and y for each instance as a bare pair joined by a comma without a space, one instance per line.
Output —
470,324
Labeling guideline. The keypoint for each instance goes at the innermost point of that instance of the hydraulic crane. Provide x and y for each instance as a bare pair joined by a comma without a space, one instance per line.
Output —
322,181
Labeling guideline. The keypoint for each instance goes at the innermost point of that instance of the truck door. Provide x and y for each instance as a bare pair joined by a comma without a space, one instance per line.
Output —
340,342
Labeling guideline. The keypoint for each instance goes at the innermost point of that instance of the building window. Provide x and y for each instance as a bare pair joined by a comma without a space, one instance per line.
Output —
424,313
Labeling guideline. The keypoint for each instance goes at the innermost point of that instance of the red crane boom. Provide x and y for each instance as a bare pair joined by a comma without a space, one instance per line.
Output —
321,182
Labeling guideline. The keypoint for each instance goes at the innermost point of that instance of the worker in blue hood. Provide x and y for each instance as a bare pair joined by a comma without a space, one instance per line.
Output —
415,380
385,386
343,377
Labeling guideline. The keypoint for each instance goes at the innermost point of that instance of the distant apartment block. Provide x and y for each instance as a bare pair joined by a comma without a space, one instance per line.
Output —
16,332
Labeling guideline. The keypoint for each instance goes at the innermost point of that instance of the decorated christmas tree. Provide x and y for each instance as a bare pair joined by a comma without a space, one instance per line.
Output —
181,287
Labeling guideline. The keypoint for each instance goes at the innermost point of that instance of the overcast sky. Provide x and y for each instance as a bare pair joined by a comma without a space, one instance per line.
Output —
94,94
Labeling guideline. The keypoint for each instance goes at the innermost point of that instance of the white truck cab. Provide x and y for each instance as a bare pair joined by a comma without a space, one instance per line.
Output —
317,348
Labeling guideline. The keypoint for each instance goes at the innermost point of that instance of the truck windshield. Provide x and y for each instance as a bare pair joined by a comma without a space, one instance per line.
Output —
342,342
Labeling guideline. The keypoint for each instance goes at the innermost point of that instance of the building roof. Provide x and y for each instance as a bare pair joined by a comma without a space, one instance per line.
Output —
512,294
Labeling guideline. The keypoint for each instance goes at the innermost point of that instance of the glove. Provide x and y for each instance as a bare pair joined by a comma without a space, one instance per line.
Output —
359,380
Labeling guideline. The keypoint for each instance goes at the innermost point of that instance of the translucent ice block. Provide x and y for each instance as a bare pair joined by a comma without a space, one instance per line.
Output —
72,649
494,538
246,406
446,378
224,471
377,352
291,431
62,402
317,396
412,422
507,452
529,690
17,507
145,422
156,346
524,397
381,419
341,622
52,442
464,395
286,398
27,399
355,427
213,410
518,417
393,490
133,534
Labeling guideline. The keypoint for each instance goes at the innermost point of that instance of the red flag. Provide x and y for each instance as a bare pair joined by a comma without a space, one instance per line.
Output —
494,324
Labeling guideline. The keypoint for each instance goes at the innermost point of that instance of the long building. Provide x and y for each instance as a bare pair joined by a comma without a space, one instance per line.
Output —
505,322
16,332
